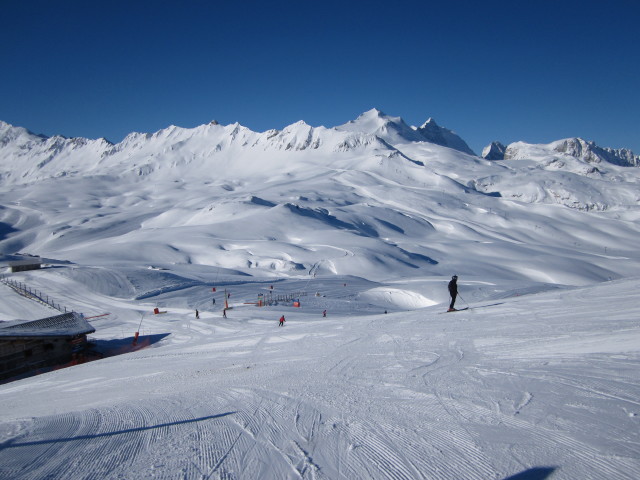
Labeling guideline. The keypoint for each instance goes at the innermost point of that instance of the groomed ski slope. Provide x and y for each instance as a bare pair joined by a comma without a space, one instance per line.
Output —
544,384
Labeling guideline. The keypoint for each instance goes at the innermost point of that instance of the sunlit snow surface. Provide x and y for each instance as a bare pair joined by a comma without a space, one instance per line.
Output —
520,381
540,377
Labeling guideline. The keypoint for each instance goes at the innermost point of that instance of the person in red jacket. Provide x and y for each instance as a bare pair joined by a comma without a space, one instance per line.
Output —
281,324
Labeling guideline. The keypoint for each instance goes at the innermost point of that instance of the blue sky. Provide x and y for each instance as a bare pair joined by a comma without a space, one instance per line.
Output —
493,70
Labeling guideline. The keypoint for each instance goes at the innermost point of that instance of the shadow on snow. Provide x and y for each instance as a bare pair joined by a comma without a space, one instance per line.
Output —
119,346
536,473
10,444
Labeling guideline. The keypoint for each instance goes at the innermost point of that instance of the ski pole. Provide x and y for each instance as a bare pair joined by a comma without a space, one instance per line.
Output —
463,299
135,336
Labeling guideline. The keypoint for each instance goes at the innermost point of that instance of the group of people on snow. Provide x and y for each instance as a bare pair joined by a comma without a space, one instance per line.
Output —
452,286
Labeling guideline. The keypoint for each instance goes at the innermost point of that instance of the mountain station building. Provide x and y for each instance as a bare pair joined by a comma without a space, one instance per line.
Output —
27,346
24,264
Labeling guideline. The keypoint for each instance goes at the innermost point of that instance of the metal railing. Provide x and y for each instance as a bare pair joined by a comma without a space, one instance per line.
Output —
32,294
271,299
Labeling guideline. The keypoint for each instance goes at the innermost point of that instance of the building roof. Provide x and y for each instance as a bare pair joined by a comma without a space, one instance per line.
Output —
30,261
15,260
64,325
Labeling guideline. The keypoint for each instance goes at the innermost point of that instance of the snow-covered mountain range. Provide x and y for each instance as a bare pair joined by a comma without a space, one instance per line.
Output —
373,193
364,222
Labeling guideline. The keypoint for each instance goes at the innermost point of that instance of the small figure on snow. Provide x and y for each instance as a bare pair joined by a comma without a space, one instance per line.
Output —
324,313
282,320
453,291
197,313
224,313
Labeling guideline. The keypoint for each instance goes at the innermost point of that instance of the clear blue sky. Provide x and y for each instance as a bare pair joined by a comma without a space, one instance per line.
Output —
513,70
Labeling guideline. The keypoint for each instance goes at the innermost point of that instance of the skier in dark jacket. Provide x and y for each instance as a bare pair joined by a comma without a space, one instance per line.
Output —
453,291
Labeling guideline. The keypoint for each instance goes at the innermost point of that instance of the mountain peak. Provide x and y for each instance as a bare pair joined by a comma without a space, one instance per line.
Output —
592,153
390,129
576,147
371,119
374,112
299,123
19,135
430,122
434,133
494,151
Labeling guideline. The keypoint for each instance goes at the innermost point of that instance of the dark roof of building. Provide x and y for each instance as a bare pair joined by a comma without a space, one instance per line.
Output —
15,260
64,325
32,261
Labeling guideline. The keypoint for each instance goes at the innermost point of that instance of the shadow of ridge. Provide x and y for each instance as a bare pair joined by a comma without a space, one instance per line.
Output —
5,230
10,444
535,473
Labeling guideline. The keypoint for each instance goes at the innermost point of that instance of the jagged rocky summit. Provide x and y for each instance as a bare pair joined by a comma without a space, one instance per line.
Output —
574,147
494,151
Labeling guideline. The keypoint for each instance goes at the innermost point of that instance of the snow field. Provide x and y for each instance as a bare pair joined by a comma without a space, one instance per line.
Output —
512,384
539,377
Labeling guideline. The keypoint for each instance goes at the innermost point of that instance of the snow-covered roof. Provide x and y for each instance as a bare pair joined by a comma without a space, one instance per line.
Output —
66,324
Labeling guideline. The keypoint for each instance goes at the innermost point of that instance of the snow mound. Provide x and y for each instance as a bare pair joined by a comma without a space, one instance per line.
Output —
395,298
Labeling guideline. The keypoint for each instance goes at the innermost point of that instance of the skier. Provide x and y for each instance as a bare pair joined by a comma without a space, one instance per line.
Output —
324,313
197,313
453,291
282,320
224,313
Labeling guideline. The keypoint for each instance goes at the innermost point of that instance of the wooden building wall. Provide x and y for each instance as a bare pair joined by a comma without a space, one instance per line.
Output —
23,354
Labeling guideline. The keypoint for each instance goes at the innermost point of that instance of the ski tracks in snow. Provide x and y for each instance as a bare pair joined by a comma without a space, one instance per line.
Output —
492,409
122,442
379,398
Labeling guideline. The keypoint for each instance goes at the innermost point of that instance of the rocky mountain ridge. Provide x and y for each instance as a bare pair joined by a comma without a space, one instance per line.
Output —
574,147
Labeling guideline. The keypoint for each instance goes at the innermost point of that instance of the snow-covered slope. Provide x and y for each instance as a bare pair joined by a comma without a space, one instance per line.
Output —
366,221
368,197
541,385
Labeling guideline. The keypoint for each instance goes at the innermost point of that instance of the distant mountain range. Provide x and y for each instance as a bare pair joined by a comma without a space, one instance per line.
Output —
373,128
373,196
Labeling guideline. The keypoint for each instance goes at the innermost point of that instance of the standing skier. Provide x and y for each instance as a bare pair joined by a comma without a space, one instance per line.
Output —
453,291
281,324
